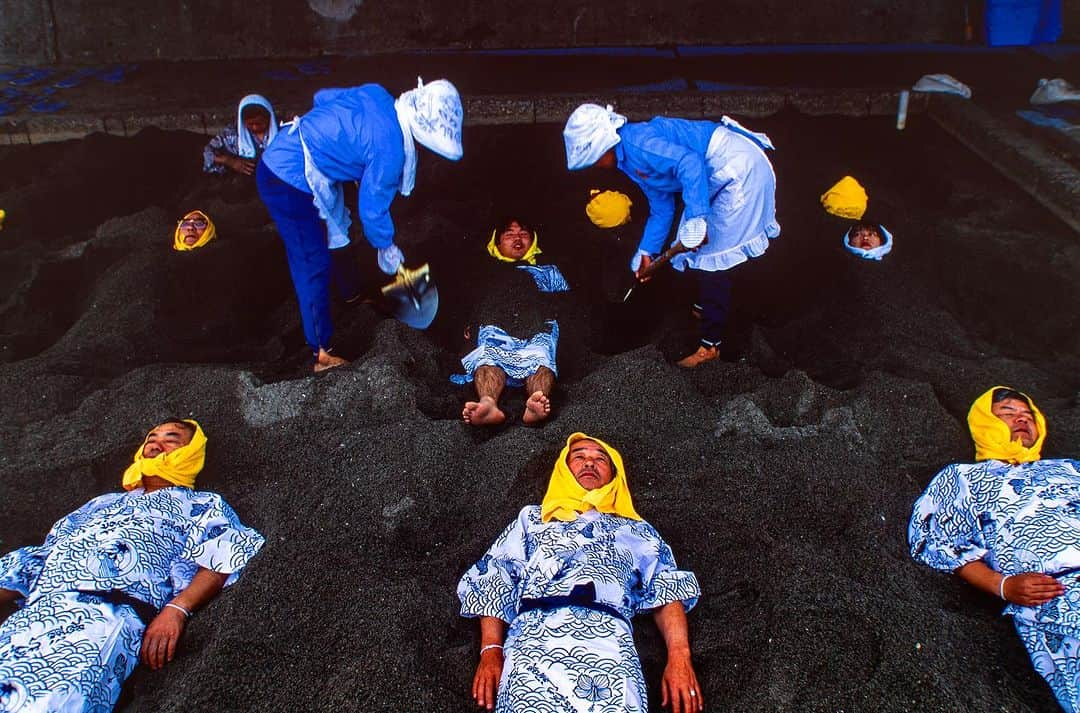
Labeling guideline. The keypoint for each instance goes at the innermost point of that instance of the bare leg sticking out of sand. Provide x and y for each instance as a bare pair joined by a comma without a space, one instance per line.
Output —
538,386
489,382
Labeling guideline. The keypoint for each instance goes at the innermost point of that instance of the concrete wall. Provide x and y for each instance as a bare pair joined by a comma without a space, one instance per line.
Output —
85,31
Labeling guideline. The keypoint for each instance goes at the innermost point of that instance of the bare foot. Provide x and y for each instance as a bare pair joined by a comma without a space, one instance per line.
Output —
326,360
537,408
702,355
484,412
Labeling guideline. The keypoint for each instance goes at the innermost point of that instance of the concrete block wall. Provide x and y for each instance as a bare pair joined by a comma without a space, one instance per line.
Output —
78,31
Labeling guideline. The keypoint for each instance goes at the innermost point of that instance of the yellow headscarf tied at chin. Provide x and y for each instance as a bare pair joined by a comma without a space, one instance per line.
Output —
992,437
565,498
179,467
529,256
209,234
846,199
608,209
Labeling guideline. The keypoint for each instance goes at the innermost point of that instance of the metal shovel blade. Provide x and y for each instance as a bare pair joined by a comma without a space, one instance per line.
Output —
412,298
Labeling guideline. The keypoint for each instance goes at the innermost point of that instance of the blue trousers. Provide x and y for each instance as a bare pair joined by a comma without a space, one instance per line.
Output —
311,263
714,301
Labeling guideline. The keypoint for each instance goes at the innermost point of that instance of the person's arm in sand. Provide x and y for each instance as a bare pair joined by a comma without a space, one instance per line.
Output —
1028,589
488,672
679,686
159,640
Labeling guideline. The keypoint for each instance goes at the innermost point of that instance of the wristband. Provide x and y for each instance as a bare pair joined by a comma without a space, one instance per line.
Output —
187,613
1001,587
489,646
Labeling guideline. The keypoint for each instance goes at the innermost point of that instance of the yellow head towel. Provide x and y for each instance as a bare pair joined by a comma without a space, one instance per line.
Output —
992,437
846,199
209,234
565,498
529,256
179,467
608,209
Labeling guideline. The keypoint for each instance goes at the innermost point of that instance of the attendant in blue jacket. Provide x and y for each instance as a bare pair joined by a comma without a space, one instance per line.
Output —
358,134
728,189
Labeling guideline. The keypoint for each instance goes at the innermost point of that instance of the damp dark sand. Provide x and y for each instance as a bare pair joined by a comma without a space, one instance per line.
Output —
783,475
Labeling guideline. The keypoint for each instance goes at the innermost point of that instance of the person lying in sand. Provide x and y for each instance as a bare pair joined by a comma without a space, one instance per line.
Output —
238,147
193,231
869,241
116,580
1009,524
556,592
514,322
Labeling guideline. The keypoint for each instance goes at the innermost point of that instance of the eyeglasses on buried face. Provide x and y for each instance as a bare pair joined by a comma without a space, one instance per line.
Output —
197,223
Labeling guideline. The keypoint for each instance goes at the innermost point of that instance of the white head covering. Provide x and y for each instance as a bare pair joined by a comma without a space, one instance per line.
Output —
432,115
245,142
875,253
590,132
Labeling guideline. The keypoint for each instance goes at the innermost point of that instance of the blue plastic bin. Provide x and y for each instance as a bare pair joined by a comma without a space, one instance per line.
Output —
1022,22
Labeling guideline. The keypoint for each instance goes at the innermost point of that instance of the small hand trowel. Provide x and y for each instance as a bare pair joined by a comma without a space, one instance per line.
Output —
412,298
655,265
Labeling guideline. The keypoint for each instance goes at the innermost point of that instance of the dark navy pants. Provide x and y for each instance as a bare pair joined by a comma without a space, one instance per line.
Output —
714,301
311,263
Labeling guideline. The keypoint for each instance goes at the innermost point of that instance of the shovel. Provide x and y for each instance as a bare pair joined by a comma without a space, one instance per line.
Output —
656,264
412,298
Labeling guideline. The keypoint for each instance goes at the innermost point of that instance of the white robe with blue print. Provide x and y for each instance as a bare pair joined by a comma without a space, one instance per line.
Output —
1016,518
67,651
573,658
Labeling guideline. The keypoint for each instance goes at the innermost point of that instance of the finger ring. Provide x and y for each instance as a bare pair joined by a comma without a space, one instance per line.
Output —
693,692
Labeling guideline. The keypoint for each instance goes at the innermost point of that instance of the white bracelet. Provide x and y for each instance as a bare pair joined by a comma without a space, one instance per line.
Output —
489,646
180,608
1001,586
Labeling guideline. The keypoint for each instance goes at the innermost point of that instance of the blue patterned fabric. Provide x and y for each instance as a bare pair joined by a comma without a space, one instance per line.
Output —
64,650
1016,518
573,658
519,358
548,278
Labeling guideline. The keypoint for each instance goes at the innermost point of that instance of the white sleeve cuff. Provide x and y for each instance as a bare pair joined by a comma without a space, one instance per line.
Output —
390,258
692,232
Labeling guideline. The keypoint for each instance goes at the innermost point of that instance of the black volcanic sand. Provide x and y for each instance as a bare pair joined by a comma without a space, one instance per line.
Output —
783,474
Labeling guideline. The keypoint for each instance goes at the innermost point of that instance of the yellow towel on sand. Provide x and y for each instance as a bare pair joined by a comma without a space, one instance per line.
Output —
209,234
529,256
179,467
565,498
992,436
846,199
608,209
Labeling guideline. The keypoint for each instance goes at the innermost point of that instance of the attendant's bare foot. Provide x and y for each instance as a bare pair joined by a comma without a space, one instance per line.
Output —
537,408
485,412
702,355
325,360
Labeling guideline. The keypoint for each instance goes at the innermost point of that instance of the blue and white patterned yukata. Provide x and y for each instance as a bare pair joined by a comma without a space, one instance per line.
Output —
1016,518
548,278
573,658
67,650
519,358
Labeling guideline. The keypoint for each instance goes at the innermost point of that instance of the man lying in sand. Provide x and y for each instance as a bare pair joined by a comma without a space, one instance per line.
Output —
556,592
517,298
1009,524
116,580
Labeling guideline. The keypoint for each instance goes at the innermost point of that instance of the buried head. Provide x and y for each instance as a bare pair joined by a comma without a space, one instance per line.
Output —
590,464
167,437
